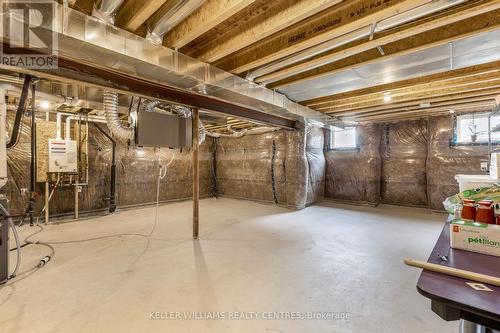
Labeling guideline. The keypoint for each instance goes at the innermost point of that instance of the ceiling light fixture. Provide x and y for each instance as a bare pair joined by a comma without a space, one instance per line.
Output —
45,105
387,97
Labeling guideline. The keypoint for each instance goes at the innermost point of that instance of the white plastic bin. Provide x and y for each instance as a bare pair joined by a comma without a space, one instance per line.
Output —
467,182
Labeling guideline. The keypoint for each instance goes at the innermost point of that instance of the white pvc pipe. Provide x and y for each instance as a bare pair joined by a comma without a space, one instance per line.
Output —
93,119
58,126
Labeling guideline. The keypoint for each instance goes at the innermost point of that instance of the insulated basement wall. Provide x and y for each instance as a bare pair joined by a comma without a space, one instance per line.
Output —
245,167
315,143
444,162
271,167
136,182
404,158
354,175
409,163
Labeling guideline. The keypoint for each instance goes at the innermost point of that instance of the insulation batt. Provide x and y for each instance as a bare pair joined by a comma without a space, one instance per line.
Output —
407,163
404,163
315,142
354,175
137,172
245,164
404,158
444,162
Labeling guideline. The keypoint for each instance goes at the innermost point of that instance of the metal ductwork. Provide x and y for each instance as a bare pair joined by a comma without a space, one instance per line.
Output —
127,63
105,10
116,127
176,14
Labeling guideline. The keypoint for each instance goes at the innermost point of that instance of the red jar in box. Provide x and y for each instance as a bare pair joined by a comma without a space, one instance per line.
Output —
485,212
469,210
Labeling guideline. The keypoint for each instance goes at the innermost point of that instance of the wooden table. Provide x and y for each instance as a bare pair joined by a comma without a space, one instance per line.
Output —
451,298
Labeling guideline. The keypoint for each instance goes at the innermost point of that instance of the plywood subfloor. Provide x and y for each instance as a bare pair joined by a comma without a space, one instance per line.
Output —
251,257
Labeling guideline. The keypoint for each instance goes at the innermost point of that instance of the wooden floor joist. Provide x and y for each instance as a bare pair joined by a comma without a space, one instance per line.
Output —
456,76
326,26
209,15
133,13
476,20
396,109
277,18
459,107
418,95
488,93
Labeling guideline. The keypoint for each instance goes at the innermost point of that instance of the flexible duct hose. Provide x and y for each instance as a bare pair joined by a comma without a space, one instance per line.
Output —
119,131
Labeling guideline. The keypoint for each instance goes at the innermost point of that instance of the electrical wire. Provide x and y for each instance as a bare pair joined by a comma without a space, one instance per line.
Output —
162,173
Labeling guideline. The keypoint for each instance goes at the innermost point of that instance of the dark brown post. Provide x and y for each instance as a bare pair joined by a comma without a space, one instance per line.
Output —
196,172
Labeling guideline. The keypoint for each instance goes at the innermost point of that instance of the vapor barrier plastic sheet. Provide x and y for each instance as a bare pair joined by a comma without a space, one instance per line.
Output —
404,157
354,175
444,162
137,174
250,168
315,142
244,167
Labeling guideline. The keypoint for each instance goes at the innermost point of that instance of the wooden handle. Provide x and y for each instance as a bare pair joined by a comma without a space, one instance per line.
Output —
492,280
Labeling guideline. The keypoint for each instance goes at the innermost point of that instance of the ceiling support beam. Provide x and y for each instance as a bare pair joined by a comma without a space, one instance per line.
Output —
397,115
447,28
330,24
273,20
209,15
417,94
414,105
135,12
434,80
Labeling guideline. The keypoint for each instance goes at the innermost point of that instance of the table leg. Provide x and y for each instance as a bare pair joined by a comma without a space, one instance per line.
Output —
470,327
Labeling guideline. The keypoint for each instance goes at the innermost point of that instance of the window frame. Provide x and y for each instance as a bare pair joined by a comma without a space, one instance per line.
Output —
454,141
331,143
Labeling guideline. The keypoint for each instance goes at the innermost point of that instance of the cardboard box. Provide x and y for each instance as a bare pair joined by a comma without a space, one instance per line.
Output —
475,237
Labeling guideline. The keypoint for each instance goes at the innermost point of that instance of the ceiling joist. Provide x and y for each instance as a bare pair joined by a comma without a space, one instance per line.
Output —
209,15
416,94
459,25
457,75
273,20
133,13
321,28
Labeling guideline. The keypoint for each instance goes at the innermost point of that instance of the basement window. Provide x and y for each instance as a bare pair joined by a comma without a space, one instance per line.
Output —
473,128
343,138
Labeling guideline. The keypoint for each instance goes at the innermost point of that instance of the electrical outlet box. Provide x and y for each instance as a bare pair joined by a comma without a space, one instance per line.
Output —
63,156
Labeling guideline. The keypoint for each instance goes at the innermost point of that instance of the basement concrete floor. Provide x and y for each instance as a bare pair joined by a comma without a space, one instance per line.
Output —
251,257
